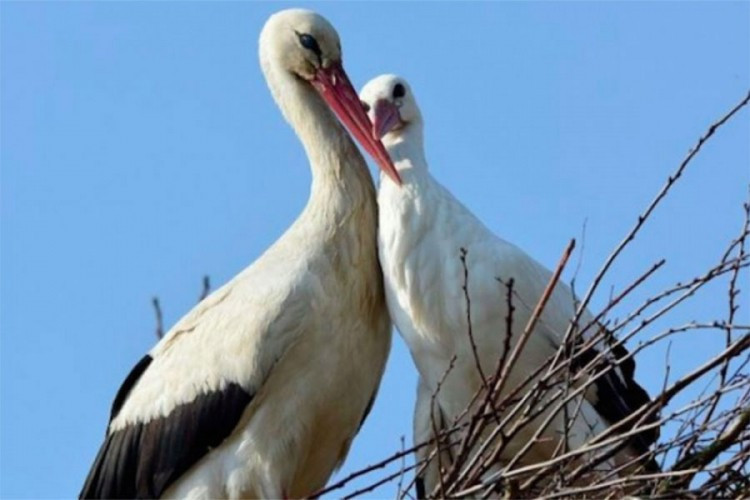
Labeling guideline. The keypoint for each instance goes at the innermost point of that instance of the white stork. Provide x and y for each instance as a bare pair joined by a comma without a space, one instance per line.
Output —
260,389
422,229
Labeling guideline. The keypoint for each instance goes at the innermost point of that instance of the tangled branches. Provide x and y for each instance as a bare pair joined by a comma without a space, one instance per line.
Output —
702,417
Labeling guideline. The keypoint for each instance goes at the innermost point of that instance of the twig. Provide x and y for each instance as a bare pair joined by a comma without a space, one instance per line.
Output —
702,458
534,317
157,312
206,288
470,332
403,469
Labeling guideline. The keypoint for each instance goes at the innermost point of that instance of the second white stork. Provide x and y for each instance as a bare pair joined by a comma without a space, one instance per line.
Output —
260,389
423,229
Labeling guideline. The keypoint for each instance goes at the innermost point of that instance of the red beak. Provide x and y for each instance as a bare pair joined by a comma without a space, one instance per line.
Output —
387,118
337,91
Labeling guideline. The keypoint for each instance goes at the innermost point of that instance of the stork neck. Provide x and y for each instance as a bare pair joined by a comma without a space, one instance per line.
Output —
407,152
338,169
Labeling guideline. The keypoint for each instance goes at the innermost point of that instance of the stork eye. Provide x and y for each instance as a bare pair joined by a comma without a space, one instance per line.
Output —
309,42
365,106
398,91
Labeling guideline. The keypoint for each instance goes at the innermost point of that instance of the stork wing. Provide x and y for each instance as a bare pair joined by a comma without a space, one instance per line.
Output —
188,395
617,395
143,459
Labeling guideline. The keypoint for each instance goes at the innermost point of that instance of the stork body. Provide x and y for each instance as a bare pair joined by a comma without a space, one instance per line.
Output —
260,389
423,230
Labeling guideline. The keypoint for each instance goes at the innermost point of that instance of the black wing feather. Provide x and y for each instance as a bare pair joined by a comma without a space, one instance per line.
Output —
368,409
144,459
420,487
127,385
617,398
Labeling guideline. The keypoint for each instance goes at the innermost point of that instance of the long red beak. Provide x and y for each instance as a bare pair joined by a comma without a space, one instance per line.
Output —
337,91
386,119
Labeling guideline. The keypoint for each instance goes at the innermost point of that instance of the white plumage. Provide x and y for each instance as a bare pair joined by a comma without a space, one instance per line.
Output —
260,389
422,231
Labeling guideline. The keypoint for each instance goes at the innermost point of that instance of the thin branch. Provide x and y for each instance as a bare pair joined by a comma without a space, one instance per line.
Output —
470,332
159,323
206,288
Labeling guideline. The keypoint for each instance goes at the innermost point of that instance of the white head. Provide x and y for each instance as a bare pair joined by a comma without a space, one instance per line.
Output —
301,42
300,54
392,108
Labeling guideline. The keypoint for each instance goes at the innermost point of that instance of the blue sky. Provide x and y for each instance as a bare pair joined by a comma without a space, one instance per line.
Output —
140,150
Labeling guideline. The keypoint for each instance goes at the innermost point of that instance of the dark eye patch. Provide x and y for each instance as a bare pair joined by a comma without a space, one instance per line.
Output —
310,43
398,91
365,106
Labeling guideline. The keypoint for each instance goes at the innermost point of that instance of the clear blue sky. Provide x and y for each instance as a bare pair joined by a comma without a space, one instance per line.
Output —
140,150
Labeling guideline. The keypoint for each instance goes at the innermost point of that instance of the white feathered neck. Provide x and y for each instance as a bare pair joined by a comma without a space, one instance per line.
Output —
339,172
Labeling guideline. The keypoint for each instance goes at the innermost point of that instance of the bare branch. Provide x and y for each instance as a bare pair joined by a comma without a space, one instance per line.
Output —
470,332
159,323
206,288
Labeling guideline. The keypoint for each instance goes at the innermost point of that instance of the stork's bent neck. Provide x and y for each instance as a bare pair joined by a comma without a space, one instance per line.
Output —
338,169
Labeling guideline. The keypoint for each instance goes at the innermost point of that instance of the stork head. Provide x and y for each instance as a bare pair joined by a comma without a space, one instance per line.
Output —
303,44
391,106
